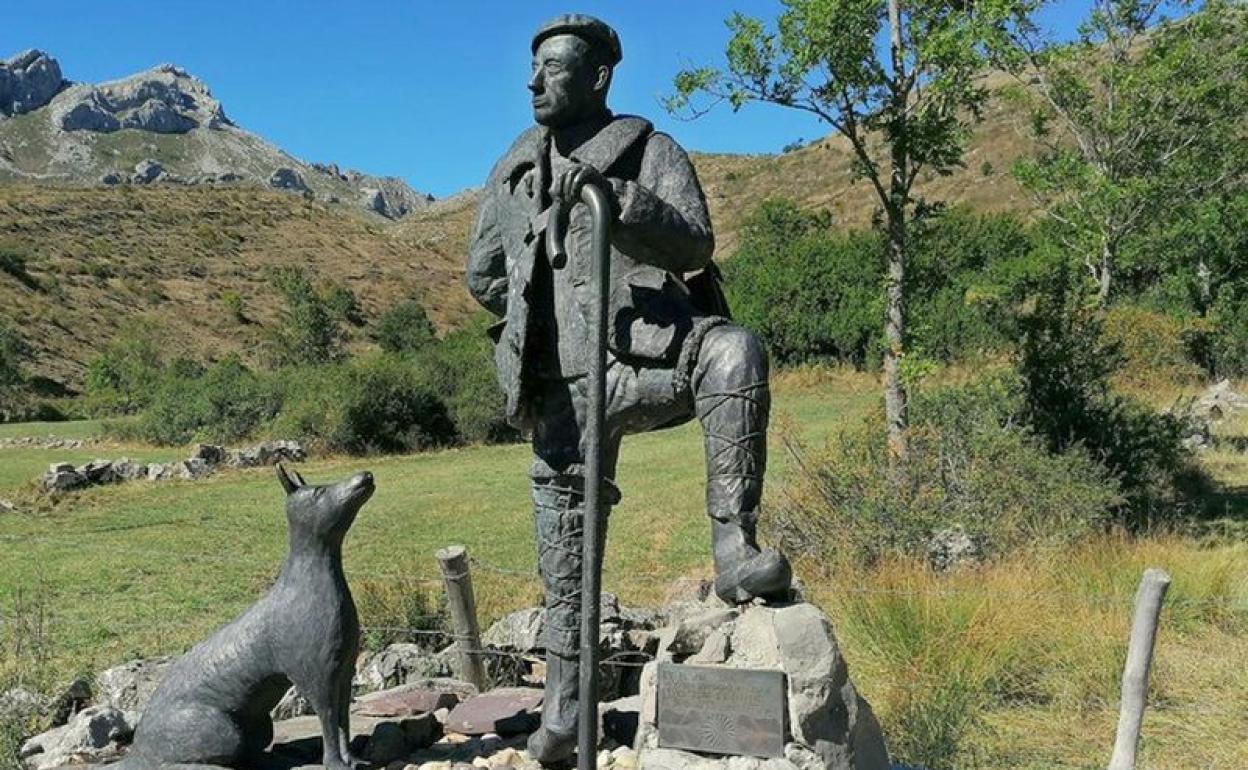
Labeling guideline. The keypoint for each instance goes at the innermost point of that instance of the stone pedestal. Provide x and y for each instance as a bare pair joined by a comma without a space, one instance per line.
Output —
829,725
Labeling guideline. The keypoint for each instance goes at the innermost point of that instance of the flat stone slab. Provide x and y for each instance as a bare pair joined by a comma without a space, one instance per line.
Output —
505,711
408,700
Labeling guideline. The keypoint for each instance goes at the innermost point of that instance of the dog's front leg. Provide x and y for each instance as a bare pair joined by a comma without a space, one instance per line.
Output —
344,720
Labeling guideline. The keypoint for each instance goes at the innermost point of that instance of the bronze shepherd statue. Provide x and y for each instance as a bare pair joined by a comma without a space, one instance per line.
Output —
672,351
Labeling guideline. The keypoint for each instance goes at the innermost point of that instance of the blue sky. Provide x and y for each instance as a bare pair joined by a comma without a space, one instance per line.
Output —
429,91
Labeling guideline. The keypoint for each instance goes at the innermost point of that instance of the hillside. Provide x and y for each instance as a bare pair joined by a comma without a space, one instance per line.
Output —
99,257
171,250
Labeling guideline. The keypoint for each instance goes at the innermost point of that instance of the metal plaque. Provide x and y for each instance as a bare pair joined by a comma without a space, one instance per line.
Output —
721,710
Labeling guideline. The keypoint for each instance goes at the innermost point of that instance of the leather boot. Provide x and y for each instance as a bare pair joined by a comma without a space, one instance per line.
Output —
733,402
554,744
743,571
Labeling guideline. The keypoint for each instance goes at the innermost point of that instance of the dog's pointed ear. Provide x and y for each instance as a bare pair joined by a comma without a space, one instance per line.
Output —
298,477
288,483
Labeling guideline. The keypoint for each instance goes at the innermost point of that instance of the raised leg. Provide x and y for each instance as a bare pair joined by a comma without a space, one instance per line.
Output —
733,402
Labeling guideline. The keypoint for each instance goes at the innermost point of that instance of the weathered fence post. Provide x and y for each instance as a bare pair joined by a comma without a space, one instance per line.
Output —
1148,599
454,563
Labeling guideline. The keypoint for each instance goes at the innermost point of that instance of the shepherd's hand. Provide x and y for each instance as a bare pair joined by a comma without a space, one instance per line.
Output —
576,178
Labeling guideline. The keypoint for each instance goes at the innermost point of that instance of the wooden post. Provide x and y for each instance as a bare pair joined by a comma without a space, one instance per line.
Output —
454,563
1148,599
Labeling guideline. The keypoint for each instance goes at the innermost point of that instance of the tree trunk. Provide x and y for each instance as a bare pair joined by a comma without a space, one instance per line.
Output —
1105,275
895,401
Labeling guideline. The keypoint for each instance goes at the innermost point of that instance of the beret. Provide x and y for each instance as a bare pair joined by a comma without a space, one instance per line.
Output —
583,26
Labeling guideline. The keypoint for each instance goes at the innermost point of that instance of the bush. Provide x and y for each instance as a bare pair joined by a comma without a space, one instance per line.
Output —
221,404
810,294
1153,345
309,333
404,328
462,368
125,377
380,403
971,467
343,303
1065,363
1229,339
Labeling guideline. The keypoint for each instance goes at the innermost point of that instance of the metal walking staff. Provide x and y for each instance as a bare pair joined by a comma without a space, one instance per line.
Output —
595,429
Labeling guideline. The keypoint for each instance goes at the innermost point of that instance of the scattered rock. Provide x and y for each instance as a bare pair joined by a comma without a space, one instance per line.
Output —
400,663
112,178
949,549
7,506
404,701
291,705
147,171
129,686
62,477
28,81
19,705
520,631
266,453
505,711
95,734
287,179
620,719
71,699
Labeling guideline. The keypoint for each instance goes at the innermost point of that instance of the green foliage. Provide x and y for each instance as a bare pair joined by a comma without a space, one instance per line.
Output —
124,378
13,262
309,333
809,293
1229,345
232,301
404,328
222,403
1065,364
344,305
1138,123
374,404
461,367
971,467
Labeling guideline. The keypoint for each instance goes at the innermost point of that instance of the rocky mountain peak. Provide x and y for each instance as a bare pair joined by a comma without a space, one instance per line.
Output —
53,129
164,100
28,81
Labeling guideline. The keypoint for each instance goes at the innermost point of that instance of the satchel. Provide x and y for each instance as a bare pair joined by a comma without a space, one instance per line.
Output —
706,291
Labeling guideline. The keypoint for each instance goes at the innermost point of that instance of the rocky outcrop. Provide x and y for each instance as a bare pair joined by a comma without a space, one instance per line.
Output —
287,179
28,81
96,734
163,100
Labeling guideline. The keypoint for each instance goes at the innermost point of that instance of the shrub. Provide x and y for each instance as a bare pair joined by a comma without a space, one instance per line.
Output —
404,328
971,467
223,403
232,301
462,368
380,403
344,305
1153,345
309,332
124,378
1229,340
809,293
1065,363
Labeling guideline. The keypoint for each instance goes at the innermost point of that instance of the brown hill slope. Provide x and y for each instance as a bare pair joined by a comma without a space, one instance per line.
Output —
96,257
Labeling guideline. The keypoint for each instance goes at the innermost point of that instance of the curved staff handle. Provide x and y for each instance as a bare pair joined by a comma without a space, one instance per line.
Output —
595,431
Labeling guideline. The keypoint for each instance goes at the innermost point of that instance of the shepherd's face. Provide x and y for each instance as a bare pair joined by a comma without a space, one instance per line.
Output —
566,87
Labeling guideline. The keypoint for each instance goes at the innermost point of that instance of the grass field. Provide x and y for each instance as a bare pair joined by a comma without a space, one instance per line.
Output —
1013,665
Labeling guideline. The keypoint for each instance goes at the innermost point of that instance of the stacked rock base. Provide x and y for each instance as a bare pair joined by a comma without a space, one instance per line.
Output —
829,725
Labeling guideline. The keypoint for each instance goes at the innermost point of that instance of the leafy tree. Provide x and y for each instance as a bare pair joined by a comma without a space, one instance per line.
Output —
1138,121
310,333
405,328
811,294
905,108
344,305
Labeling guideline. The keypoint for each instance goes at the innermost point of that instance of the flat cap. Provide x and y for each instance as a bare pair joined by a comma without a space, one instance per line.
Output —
587,27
